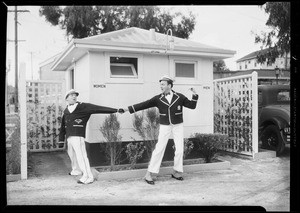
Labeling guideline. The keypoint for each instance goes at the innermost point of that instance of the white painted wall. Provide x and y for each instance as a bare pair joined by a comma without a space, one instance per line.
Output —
82,78
123,94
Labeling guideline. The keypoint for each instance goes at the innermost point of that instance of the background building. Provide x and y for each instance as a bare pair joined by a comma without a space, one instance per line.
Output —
249,62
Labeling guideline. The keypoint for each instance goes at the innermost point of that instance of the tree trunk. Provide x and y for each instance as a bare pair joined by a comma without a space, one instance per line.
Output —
112,157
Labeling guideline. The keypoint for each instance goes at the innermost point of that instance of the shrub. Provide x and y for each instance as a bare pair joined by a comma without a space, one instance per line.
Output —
110,130
188,147
134,152
146,124
210,144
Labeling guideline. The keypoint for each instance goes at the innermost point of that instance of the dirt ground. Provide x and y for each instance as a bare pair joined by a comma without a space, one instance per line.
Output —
264,182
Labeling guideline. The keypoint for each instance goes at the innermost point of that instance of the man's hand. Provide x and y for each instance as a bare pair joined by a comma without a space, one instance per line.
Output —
121,111
193,90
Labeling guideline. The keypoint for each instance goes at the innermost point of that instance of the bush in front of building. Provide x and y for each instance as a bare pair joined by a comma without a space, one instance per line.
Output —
146,124
210,144
134,152
187,148
110,130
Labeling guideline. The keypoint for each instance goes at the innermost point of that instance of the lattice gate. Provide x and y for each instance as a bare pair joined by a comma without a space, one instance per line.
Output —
45,101
236,112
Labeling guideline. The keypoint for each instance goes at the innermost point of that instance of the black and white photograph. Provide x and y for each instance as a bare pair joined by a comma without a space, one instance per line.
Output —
149,105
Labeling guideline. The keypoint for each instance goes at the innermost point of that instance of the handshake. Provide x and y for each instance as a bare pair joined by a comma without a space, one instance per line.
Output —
122,110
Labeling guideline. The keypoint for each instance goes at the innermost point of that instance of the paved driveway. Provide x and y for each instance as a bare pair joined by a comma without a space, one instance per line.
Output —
264,182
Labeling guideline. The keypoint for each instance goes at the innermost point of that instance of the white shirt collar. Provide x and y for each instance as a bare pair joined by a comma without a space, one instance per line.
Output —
169,97
72,107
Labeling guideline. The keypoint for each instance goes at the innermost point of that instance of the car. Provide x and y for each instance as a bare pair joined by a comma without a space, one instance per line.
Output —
274,116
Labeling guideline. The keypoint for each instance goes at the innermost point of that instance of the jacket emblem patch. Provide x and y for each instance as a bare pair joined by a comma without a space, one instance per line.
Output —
178,107
78,121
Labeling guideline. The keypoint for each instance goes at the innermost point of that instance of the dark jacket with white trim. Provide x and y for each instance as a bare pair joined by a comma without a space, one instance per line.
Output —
74,124
170,113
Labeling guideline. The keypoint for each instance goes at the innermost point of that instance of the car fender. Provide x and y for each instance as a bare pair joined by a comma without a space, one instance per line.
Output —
279,122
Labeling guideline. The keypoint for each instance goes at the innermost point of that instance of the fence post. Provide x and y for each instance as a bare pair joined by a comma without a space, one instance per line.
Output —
23,121
254,114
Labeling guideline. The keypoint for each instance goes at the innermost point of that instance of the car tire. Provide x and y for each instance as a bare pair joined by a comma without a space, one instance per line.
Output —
271,139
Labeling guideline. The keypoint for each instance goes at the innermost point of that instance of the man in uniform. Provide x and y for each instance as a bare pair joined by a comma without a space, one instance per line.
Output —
169,104
73,126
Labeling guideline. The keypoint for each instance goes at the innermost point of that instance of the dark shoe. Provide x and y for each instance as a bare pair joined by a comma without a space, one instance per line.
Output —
80,182
151,182
177,178
69,173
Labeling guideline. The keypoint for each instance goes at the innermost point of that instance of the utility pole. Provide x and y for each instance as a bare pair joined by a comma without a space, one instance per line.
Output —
16,60
6,88
16,54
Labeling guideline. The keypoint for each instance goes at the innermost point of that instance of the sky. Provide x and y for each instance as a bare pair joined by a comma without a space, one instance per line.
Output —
227,27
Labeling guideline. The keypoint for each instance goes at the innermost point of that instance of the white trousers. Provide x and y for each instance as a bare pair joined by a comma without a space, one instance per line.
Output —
160,147
80,162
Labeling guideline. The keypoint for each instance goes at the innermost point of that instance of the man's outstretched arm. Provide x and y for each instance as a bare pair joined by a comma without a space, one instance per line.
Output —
141,106
96,109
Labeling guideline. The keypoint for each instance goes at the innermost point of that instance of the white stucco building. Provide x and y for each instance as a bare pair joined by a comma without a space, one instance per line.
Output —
121,68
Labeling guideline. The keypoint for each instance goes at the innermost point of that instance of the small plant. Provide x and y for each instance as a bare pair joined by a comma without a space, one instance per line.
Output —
110,130
210,144
134,152
146,124
188,147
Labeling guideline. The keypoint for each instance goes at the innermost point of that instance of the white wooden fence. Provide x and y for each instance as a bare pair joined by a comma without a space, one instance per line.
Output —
44,111
236,112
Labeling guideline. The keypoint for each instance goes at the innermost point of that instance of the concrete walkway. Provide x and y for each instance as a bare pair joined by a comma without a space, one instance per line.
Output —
263,182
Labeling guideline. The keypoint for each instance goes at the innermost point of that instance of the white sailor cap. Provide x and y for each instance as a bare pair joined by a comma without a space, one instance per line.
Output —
165,78
72,91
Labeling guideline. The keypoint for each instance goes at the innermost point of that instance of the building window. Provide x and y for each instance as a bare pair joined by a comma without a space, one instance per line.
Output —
254,64
245,66
249,62
185,69
240,67
122,70
123,67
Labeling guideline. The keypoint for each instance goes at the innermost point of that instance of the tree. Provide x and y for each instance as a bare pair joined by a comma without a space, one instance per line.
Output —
219,66
277,41
84,21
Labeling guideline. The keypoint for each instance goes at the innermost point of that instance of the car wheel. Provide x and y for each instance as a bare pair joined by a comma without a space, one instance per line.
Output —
271,139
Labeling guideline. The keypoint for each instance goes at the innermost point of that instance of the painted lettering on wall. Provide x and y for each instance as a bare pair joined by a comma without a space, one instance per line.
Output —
206,87
99,86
